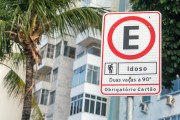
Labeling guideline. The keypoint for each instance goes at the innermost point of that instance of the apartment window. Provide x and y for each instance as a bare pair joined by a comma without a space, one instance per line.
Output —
76,104
80,54
175,88
69,51
50,51
55,74
95,105
44,96
52,97
93,74
92,104
94,50
58,49
48,77
165,91
174,117
176,85
79,76
146,99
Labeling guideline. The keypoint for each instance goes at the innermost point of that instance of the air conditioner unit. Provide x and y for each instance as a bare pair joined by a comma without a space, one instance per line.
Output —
170,100
144,107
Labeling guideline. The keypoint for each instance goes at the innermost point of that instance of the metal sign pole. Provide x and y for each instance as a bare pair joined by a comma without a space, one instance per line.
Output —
130,103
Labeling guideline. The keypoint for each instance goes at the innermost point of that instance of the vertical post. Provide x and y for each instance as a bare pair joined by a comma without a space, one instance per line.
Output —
130,103
114,108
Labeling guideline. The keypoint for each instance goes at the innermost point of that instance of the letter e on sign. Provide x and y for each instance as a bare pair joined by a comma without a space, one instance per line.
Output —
131,40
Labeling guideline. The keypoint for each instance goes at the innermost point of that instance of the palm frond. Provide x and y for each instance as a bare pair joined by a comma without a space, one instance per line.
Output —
78,20
36,112
5,45
14,85
15,60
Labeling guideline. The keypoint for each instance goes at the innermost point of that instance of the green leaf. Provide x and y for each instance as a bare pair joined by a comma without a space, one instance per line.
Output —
14,84
178,24
16,87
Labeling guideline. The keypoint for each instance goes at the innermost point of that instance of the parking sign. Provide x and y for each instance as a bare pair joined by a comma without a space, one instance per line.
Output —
131,54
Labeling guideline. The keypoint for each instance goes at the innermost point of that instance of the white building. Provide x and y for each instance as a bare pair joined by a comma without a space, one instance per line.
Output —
87,103
54,74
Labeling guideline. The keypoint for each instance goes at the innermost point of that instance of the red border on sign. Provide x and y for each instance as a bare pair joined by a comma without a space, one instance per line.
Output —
102,66
138,55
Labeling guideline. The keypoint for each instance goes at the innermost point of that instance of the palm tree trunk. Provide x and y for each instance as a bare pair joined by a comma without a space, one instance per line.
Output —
28,91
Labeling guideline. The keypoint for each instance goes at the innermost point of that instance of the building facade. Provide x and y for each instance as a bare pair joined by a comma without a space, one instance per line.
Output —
53,77
161,107
87,103
67,89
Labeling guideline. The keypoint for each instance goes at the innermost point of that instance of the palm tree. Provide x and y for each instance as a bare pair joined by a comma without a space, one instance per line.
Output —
23,22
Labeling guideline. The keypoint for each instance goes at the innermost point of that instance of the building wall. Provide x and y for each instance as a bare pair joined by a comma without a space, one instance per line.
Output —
60,107
63,86
84,42
10,109
124,5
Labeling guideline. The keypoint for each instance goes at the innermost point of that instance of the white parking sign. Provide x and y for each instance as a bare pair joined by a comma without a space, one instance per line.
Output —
131,54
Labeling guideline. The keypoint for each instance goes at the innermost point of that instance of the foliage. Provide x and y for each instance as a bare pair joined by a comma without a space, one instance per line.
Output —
22,24
16,90
14,84
170,11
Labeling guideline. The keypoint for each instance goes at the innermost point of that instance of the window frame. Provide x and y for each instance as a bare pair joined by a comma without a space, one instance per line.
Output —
44,96
58,49
146,99
50,51
55,74
52,97
89,99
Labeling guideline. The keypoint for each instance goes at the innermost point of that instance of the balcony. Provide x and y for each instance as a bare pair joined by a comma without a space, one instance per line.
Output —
86,88
45,66
42,85
46,53
86,38
87,59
